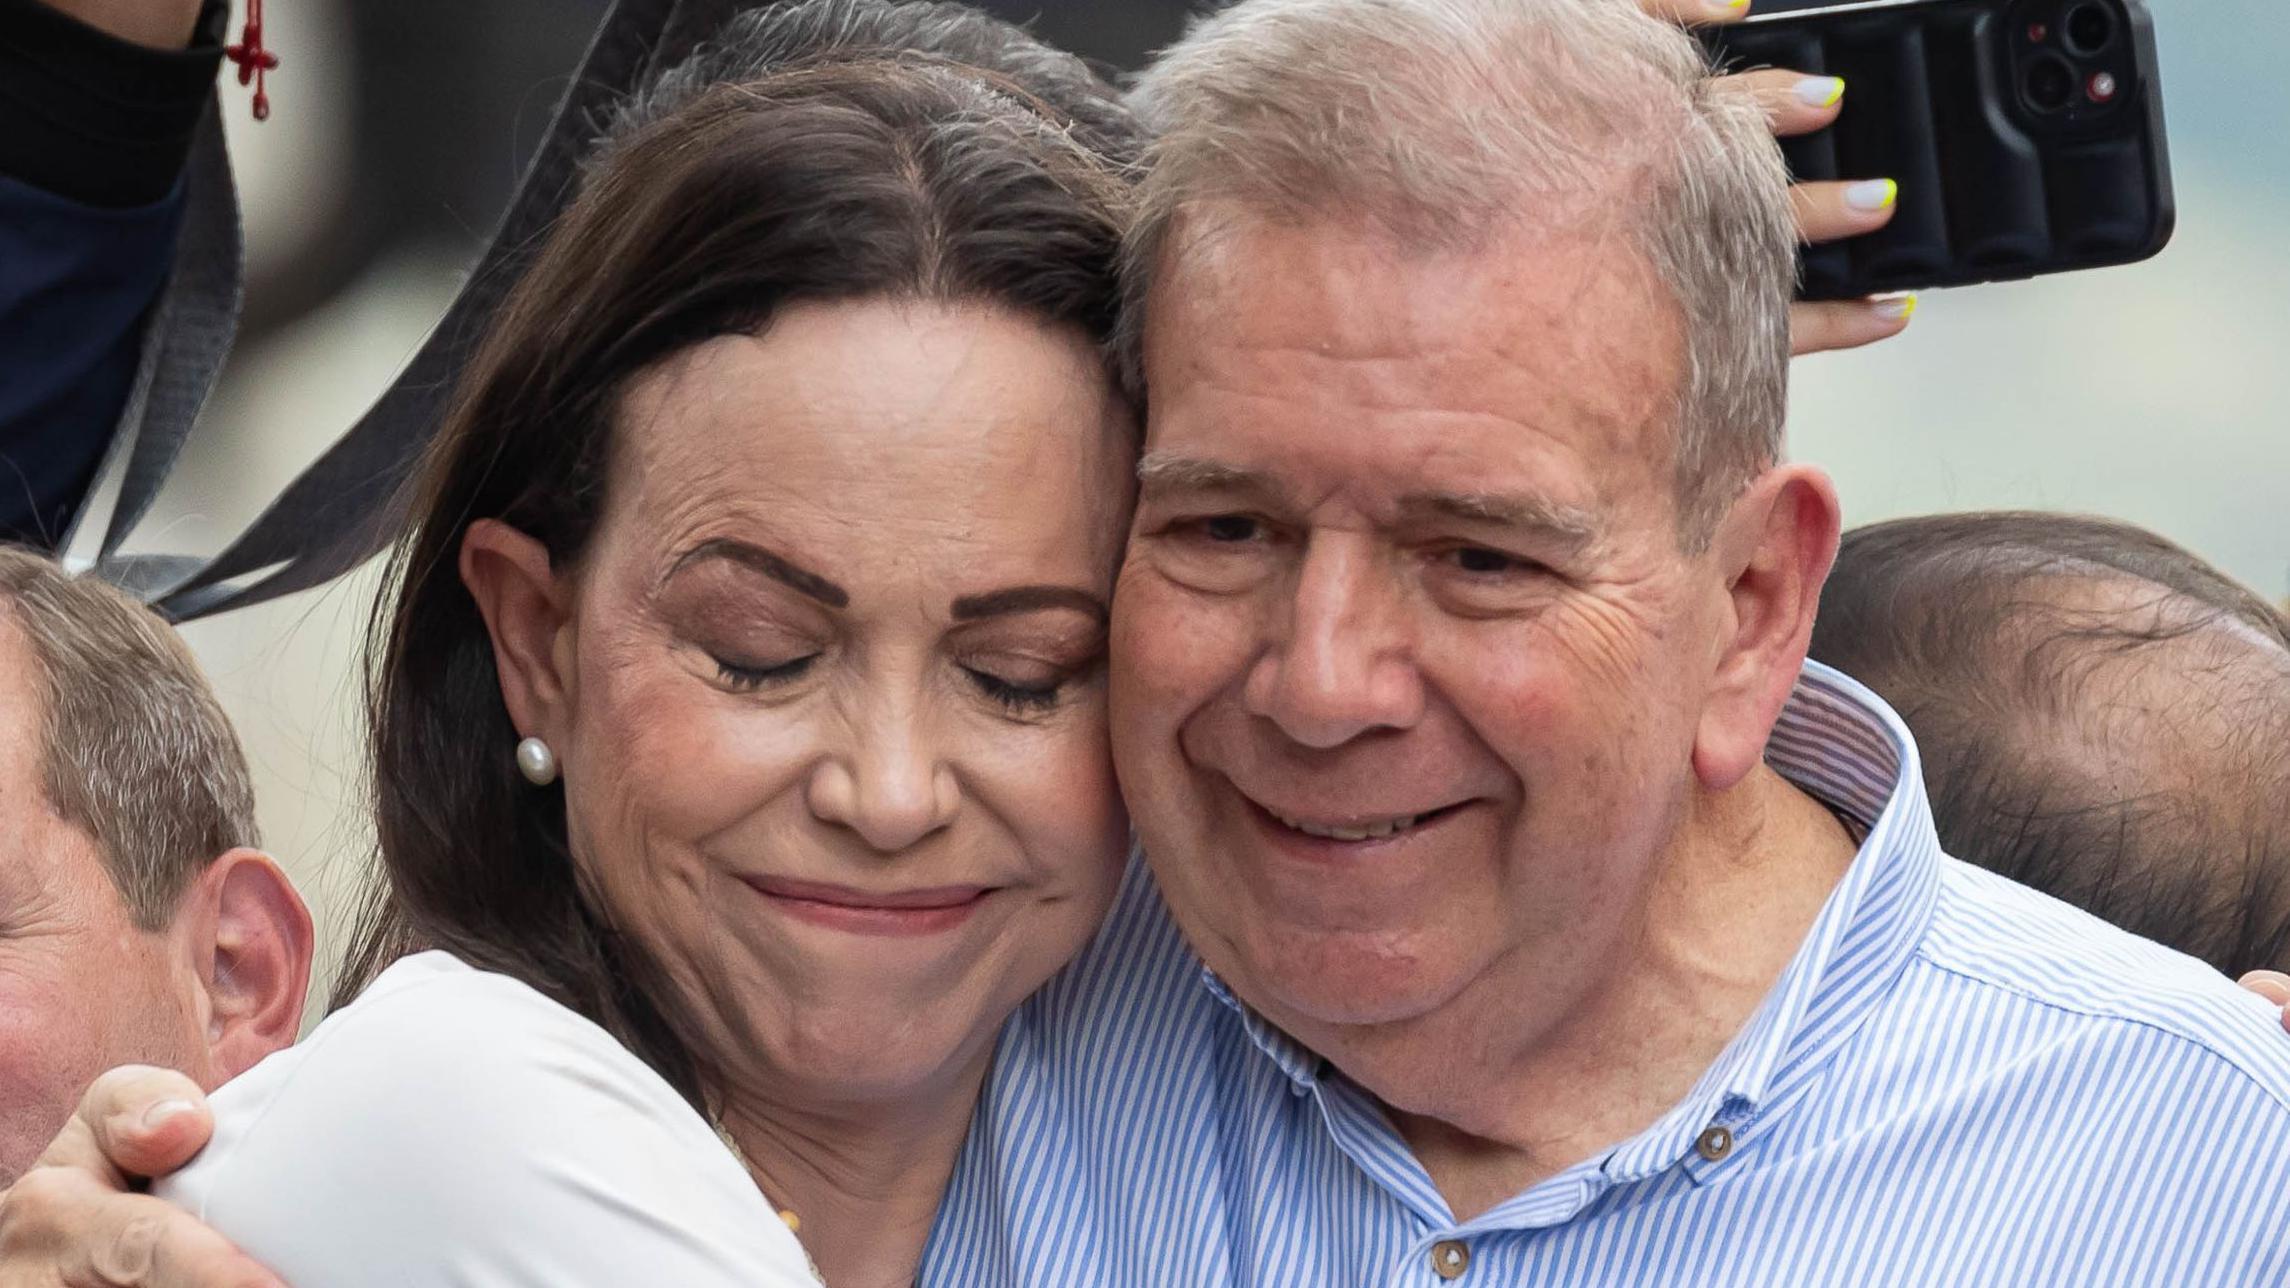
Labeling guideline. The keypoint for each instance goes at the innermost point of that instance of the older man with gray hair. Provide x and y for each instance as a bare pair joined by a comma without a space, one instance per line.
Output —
1545,917
138,923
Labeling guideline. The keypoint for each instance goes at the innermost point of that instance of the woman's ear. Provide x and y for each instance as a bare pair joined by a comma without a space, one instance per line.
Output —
1774,548
528,612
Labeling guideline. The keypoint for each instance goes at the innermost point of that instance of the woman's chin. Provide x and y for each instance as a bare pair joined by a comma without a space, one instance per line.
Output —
877,1051
815,1012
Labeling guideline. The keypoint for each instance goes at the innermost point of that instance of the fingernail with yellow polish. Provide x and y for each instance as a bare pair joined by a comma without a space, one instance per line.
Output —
1820,91
1727,6
1900,308
1873,194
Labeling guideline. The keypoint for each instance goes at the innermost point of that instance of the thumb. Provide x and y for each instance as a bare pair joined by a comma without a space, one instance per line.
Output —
135,1121
2272,985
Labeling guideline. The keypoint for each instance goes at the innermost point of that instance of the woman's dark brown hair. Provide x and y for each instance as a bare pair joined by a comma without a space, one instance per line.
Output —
837,149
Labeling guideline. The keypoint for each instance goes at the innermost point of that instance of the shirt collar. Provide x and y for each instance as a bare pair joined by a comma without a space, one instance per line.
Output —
1300,1064
1842,745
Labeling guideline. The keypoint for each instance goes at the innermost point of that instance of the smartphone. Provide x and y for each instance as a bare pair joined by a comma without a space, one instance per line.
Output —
2027,135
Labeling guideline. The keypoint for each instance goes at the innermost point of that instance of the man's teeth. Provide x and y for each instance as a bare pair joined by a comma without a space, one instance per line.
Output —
1363,832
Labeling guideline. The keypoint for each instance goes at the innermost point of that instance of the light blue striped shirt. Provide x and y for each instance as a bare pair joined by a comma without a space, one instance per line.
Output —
1955,1081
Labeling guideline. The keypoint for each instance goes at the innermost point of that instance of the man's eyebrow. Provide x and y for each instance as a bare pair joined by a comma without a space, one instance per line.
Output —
1027,599
1571,525
775,566
1161,472
1551,519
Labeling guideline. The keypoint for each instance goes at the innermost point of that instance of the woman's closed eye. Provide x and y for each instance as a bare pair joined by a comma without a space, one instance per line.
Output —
1024,685
1016,696
750,677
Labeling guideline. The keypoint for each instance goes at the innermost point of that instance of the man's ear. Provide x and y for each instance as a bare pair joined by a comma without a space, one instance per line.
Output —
526,610
252,950
1775,548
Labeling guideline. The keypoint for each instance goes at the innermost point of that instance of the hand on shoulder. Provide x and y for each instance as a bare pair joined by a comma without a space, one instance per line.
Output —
71,1221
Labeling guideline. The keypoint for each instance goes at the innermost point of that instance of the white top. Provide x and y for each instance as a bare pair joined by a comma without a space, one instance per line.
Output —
453,1127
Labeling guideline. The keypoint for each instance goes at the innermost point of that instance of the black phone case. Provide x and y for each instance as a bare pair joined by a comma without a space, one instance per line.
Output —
1991,188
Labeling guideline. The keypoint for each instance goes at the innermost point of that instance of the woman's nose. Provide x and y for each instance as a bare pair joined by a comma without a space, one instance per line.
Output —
892,790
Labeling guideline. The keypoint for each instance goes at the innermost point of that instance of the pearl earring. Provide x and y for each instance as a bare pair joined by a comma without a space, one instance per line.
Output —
536,762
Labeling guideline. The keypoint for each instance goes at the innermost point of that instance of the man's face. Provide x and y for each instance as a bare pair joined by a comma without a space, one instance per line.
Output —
81,988
1407,659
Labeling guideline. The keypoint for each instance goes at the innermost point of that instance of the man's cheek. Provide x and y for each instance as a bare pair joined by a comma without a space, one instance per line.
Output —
45,1044
1166,646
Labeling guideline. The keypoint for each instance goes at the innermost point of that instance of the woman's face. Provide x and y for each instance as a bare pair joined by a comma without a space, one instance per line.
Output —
832,719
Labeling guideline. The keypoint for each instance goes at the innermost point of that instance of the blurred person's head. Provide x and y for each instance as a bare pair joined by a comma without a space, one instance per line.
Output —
138,923
1465,582
2102,715
782,505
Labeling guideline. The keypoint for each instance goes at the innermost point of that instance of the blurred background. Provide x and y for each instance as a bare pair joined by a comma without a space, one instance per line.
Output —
2158,393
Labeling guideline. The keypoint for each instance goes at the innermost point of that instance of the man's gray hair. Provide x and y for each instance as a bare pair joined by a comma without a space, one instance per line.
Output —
135,750
1443,124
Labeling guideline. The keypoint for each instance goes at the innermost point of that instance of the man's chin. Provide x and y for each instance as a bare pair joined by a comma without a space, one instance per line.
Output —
1356,979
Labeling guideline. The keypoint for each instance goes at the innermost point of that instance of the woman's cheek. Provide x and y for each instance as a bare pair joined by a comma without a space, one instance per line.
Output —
1079,800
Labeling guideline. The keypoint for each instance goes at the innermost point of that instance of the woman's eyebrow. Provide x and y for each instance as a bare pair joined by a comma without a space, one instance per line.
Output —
771,564
1027,599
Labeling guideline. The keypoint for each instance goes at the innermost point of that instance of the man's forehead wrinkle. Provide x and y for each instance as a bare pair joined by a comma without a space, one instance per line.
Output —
1518,307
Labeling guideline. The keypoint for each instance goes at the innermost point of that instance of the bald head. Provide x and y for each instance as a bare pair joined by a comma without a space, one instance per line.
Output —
2102,715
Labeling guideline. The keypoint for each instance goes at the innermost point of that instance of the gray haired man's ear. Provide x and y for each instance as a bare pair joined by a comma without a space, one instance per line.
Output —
247,934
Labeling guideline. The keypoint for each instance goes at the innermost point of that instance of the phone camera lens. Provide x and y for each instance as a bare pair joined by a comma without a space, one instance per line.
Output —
2049,83
2089,28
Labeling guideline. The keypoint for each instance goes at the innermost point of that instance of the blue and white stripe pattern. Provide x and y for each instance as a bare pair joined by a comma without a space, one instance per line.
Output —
1956,1081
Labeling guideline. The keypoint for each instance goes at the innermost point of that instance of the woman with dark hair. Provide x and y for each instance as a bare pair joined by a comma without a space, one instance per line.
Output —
738,727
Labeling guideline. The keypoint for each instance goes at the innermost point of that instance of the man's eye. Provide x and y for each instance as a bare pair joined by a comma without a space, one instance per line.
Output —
745,678
1229,528
1480,561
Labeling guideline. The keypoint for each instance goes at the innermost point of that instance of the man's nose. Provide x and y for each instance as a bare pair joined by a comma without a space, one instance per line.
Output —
890,785
1342,665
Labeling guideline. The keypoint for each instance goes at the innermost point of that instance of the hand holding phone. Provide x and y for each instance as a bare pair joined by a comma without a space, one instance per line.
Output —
1799,103
2025,136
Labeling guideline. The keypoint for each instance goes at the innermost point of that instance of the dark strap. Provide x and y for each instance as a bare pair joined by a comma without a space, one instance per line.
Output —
351,502
191,328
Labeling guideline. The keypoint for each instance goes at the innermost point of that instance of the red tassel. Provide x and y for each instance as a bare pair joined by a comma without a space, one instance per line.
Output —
252,59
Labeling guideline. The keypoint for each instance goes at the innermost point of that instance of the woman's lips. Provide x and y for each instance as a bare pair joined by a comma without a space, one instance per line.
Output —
873,912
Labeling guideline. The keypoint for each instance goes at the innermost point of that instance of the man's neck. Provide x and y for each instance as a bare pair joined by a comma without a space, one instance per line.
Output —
1734,897
864,1186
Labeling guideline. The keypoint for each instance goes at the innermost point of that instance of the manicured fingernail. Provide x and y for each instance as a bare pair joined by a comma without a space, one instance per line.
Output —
1820,91
1874,194
1900,308
157,1116
1727,6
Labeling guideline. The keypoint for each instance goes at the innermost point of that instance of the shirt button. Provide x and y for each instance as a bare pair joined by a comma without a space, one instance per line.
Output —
1450,1258
1715,1144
